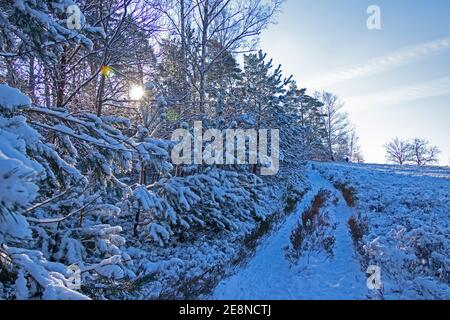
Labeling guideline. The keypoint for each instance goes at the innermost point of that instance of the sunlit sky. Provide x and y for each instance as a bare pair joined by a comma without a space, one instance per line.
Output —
395,81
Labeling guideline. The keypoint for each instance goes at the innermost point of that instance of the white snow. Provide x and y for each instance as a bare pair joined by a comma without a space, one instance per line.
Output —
53,283
271,276
407,213
12,99
406,209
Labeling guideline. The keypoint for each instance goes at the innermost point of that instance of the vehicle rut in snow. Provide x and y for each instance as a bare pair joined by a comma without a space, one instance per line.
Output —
316,274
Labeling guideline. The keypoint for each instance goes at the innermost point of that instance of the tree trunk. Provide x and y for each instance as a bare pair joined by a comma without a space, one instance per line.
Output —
184,49
47,93
31,80
61,80
204,43
101,89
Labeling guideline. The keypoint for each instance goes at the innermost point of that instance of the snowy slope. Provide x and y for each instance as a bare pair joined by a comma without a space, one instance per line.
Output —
406,212
317,276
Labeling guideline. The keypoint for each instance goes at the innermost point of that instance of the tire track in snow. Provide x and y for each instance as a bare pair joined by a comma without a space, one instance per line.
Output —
269,276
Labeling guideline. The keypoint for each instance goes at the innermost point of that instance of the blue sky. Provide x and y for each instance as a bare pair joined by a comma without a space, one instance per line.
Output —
395,81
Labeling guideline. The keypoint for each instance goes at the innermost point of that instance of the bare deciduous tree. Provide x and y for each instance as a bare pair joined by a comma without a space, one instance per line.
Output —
336,124
423,153
354,154
234,24
417,151
399,151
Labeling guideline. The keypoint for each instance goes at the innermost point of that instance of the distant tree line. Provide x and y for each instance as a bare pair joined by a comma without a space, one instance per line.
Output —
415,151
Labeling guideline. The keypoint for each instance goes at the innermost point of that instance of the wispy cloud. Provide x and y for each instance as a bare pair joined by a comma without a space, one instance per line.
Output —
433,88
384,63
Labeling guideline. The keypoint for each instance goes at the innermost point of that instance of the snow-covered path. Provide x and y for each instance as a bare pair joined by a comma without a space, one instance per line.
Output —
269,276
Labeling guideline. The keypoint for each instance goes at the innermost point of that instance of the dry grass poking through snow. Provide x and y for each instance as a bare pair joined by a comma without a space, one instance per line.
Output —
312,233
401,225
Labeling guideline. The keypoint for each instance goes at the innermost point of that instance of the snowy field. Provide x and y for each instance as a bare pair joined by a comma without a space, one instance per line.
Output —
403,216
316,275
405,213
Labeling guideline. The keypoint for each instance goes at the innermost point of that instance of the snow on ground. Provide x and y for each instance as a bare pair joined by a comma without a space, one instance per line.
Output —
317,276
406,211
403,213
179,271
11,98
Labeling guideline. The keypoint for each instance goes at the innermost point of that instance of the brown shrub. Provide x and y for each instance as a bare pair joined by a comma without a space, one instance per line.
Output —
328,243
312,223
297,238
349,193
358,228
193,288
310,215
293,196
251,239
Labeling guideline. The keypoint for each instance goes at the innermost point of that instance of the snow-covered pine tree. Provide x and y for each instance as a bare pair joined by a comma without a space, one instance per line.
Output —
61,158
40,28
261,88
18,176
272,102
312,121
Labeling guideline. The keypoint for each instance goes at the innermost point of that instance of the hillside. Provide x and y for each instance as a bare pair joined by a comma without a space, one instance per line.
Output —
391,217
